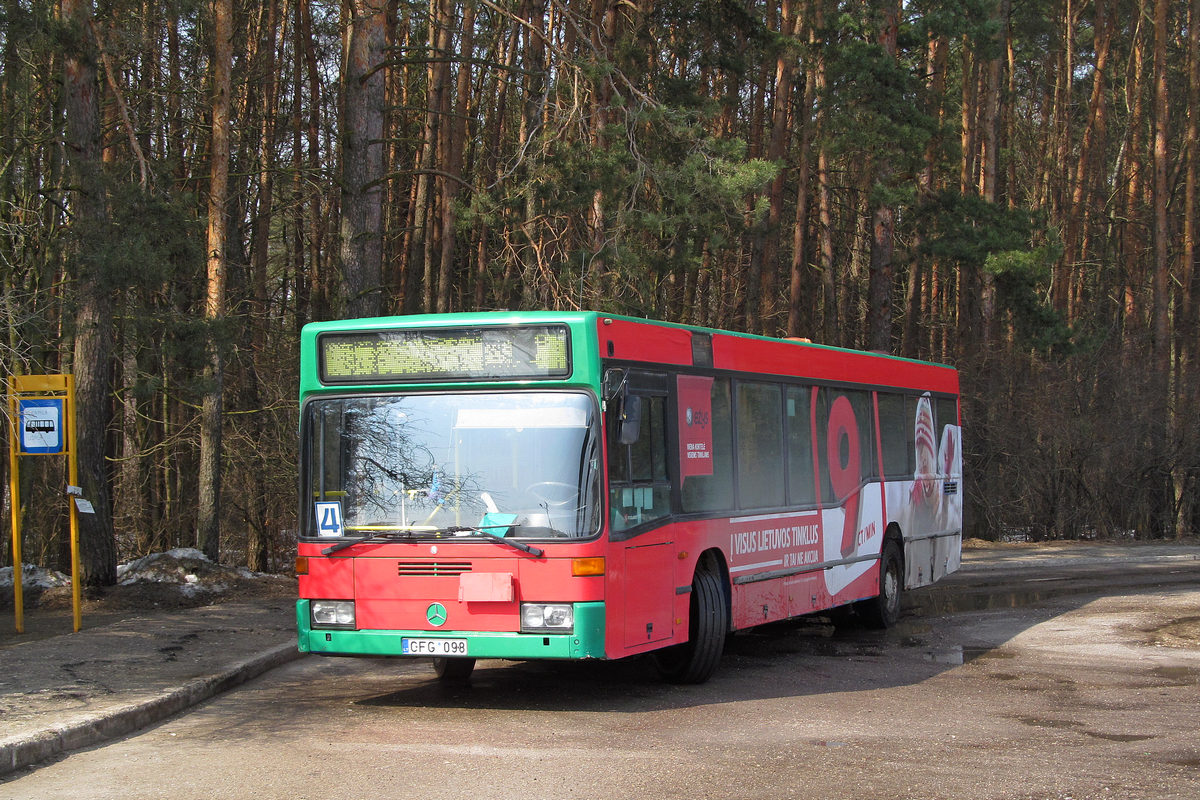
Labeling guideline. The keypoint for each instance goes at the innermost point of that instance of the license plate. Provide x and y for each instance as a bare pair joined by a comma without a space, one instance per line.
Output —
434,647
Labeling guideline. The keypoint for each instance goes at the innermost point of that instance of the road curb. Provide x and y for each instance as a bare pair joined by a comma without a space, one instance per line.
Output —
93,729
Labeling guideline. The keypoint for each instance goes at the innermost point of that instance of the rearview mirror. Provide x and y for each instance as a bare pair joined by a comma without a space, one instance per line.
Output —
630,419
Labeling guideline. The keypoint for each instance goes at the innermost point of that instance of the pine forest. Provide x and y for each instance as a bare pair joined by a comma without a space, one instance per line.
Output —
1007,186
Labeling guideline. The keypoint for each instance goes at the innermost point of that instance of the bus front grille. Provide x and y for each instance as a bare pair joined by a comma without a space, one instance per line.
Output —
431,569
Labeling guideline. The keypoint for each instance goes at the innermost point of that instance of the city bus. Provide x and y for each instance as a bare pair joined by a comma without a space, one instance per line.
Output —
581,485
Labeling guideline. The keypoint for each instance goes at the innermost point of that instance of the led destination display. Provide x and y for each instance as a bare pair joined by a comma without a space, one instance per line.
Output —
410,356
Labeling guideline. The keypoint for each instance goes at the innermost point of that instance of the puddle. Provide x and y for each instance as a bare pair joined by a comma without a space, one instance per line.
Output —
957,655
1178,676
834,648
954,656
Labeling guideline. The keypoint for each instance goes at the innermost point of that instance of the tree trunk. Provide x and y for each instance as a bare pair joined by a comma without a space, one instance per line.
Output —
318,300
208,508
801,320
766,238
1089,166
93,317
991,162
829,317
456,133
883,221
256,540
1188,482
1160,324
921,274
362,158
1060,291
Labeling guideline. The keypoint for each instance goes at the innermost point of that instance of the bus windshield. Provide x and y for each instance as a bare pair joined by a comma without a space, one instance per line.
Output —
516,464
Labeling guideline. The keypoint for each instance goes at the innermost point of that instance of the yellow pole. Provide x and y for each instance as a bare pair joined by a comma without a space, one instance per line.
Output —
73,480
14,484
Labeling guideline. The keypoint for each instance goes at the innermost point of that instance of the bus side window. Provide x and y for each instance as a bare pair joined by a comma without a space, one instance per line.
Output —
760,445
864,412
802,487
841,472
896,436
910,431
639,487
648,453
826,487
715,492
945,412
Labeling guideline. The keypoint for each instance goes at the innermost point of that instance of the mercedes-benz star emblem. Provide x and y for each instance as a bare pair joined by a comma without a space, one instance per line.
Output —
436,614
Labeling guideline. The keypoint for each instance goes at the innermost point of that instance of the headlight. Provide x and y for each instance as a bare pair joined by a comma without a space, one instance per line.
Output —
547,618
332,613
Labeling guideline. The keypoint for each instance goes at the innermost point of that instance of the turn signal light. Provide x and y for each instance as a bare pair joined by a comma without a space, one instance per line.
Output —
301,565
587,566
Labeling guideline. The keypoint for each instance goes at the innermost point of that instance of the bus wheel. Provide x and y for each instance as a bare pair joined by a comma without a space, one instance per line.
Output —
695,660
883,611
454,670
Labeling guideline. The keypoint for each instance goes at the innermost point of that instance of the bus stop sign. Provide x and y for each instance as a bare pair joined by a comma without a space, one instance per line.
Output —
41,426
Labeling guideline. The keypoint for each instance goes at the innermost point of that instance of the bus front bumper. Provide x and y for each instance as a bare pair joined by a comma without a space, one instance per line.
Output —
587,640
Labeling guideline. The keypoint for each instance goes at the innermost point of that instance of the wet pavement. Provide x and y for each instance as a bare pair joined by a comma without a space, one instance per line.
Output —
62,691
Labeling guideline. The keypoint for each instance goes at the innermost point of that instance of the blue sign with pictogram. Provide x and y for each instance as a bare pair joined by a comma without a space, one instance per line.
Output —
41,426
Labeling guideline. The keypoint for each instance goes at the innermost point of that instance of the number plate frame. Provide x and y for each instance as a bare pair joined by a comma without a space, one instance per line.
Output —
412,646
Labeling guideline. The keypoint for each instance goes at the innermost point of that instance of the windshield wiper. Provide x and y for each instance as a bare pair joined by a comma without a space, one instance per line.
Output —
404,533
411,533
524,548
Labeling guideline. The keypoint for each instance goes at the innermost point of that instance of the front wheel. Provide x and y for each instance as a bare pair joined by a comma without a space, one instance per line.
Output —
454,670
695,660
883,610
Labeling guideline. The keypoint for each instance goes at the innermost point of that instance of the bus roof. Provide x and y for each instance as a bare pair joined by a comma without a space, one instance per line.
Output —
634,340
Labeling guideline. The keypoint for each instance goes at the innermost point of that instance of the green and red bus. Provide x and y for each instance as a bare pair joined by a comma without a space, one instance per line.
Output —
581,485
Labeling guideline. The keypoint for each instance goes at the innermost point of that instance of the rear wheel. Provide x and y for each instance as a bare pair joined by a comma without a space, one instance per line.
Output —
883,610
454,670
695,660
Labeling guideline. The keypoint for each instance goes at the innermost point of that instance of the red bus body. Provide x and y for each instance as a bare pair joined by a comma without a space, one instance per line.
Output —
883,465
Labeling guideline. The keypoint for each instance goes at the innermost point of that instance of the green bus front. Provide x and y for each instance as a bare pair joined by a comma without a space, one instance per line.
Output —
451,481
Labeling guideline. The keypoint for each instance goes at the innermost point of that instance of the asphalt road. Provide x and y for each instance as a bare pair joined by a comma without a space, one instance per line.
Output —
1084,697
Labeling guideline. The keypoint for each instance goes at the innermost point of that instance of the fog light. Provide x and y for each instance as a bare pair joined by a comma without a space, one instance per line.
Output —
547,618
332,613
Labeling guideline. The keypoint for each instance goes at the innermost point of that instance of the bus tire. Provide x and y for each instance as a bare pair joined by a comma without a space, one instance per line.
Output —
696,660
454,670
883,610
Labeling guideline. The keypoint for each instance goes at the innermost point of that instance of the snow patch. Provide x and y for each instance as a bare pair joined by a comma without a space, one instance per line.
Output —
34,577
185,566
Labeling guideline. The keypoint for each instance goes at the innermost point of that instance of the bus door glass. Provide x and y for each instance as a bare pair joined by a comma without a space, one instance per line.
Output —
639,485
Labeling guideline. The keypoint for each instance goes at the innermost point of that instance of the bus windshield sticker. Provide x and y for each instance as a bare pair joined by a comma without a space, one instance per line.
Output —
695,425
329,518
410,356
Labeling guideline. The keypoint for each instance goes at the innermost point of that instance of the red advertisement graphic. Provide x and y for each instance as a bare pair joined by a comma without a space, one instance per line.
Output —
695,425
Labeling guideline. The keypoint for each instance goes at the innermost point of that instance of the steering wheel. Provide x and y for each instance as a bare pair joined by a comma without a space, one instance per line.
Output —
553,493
